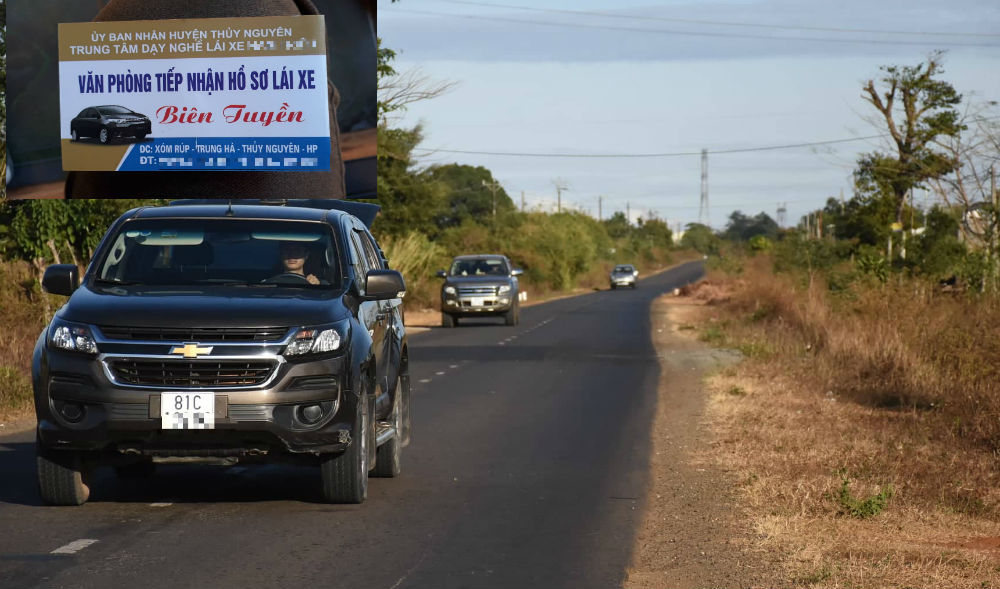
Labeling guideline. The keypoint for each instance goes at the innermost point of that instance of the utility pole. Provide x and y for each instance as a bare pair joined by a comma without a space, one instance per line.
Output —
628,214
493,185
703,215
995,199
902,231
522,201
782,209
560,186
600,217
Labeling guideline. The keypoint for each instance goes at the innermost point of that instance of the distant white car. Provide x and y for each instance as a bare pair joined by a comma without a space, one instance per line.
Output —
624,275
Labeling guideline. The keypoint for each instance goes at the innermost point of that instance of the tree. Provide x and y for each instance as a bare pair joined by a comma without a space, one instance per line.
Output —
701,238
916,108
469,195
655,233
976,153
742,227
617,226
411,201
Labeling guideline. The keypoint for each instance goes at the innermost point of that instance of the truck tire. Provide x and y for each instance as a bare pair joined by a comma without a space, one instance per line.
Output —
345,477
387,456
448,320
61,478
512,316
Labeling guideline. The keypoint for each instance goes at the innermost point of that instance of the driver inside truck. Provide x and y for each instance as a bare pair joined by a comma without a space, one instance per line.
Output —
293,260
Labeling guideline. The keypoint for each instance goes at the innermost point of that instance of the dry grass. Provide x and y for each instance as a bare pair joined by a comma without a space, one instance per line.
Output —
23,310
890,388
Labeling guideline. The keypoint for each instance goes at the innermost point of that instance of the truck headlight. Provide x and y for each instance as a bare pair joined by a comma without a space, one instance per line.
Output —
314,340
74,337
504,288
449,290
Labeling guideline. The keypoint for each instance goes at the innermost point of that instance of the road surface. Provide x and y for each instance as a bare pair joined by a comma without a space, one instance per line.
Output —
527,469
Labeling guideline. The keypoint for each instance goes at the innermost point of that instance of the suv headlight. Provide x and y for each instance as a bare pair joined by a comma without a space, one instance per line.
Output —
316,340
504,288
74,337
449,290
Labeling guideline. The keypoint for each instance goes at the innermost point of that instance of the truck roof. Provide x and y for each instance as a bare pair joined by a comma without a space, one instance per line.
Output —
364,211
237,211
478,256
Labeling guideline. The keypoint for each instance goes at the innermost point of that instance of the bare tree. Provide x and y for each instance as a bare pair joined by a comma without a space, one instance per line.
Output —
397,90
975,152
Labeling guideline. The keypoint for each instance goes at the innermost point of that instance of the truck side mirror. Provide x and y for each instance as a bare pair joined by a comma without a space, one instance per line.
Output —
61,279
382,285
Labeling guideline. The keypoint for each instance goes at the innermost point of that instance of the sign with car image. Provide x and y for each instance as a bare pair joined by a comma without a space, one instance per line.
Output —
195,94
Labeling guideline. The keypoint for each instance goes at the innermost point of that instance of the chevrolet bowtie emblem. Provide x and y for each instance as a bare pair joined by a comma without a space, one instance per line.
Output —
190,350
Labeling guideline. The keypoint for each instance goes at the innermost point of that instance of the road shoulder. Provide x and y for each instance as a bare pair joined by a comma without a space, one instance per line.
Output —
692,533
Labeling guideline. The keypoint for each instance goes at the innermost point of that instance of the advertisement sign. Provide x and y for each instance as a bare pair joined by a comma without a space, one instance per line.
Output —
195,94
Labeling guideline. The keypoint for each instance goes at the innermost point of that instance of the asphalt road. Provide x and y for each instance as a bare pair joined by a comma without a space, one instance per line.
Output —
527,468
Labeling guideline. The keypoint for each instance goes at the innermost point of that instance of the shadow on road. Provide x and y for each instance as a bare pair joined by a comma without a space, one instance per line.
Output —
17,474
171,483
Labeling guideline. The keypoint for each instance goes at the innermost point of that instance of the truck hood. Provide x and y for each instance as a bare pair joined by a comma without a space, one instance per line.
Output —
203,307
476,280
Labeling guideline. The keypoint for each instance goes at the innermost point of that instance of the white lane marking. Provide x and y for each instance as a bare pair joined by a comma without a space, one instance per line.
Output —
160,504
501,343
453,366
74,546
439,373
425,380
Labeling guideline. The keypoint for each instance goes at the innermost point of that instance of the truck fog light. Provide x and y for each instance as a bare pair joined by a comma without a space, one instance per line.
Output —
72,412
310,414
504,300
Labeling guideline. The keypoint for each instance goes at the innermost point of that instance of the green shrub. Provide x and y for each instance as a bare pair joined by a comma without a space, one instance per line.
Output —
862,508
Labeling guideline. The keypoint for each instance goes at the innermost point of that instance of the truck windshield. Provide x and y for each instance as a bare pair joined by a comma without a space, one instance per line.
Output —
479,267
245,252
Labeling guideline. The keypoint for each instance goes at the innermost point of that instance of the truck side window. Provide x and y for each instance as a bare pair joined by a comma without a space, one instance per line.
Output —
370,249
362,266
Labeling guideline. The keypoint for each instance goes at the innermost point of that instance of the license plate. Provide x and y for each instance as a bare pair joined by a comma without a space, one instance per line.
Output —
187,410
477,302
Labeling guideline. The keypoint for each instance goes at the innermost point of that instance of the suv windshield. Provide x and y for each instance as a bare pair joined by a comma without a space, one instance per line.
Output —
479,267
623,268
222,251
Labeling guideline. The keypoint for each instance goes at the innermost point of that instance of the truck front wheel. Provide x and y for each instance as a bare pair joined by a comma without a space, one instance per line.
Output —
62,479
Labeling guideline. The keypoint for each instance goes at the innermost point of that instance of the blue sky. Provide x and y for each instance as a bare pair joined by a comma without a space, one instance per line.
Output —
526,83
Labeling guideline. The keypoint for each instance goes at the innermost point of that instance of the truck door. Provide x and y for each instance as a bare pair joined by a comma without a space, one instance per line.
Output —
369,312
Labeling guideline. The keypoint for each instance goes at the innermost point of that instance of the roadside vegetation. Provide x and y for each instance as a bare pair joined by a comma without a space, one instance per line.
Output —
863,424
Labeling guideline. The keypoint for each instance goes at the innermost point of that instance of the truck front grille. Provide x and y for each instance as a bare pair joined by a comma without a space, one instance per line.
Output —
198,374
477,290
195,334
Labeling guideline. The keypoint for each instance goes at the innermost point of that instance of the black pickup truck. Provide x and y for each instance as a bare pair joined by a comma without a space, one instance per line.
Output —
225,333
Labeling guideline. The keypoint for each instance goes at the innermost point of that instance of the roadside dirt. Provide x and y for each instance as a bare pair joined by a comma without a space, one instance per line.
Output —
692,533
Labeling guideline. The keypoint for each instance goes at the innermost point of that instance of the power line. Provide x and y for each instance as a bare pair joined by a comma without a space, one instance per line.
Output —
719,23
684,33
647,155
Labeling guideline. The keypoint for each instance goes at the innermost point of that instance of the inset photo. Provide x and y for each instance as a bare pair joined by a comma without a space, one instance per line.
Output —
132,99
